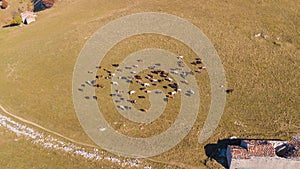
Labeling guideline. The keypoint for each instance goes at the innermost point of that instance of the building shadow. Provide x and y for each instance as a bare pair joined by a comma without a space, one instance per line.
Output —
218,151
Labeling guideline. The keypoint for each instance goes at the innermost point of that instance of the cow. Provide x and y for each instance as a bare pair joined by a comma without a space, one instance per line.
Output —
99,85
146,84
132,101
115,83
179,57
131,92
169,79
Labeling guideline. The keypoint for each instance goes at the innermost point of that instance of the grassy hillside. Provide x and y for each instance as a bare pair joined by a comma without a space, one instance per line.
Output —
37,61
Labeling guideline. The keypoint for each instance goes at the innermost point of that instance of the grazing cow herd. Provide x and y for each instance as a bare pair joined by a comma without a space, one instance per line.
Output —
156,77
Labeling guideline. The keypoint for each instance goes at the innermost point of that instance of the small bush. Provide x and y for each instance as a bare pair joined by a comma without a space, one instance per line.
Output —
17,20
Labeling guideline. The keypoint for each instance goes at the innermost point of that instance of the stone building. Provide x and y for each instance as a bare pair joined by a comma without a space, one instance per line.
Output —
256,154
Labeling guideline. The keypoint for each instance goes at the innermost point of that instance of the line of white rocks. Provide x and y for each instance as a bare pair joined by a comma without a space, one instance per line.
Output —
49,142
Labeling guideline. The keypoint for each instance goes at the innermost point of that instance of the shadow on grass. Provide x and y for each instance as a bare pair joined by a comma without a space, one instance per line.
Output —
10,25
216,152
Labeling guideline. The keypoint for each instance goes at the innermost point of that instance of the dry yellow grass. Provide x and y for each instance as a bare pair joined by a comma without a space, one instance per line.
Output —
37,61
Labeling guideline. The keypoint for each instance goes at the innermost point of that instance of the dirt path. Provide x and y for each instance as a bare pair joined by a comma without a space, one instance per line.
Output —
43,128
